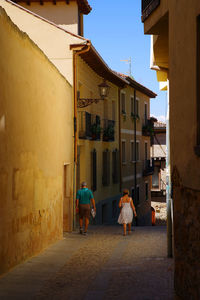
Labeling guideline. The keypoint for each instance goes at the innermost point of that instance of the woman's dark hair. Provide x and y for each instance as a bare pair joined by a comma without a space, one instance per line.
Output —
125,192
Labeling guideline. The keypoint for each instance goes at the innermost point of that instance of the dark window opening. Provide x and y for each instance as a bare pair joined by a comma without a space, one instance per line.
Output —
115,166
94,170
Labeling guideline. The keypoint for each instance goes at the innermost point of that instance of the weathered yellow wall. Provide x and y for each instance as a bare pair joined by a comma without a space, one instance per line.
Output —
54,42
88,82
36,129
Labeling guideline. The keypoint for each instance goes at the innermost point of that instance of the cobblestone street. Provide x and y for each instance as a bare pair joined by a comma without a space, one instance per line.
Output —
102,265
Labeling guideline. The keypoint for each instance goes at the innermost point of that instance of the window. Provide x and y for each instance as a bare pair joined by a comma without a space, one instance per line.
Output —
146,190
94,170
132,105
145,112
137,151
198,85
115,166
113,110
123,151
123,103
137,107
106,168
132,151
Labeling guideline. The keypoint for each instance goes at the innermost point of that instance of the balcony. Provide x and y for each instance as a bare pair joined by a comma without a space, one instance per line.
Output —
148,127
148,167
148,6
109,130
89,126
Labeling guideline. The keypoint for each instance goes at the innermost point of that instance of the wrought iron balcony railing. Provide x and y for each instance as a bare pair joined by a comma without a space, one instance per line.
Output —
147,127
148,6
89,126
109,130
148,167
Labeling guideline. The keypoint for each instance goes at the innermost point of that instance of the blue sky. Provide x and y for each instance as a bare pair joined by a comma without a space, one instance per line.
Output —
116,31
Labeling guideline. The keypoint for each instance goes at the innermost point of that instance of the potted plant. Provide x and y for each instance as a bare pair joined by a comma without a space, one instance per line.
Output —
108,133
147,129
96,131
134,116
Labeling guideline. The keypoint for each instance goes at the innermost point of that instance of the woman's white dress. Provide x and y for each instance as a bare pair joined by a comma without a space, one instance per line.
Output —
126,214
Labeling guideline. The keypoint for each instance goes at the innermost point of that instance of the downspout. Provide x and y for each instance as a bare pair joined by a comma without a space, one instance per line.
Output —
168,184
85,49
120,144
135,158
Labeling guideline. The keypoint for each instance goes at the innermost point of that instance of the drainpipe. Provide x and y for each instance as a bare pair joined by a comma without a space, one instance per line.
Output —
135,158
168,183
120,144
84,48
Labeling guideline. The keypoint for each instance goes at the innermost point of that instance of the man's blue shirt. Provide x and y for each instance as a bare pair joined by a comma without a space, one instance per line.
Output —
84,195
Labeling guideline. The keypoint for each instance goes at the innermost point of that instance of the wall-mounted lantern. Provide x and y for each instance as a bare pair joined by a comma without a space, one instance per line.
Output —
103,93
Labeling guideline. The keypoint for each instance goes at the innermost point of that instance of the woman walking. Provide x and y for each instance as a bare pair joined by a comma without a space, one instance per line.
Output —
127,209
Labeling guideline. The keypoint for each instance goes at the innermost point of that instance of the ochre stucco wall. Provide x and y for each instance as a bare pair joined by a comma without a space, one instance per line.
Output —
88,82
36,140
185,163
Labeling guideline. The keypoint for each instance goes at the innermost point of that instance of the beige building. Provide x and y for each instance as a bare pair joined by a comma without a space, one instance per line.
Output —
36,162
136,164
66,14
98,132
175,30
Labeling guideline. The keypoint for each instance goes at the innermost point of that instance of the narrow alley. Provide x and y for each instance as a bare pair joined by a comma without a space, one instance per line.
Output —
102,265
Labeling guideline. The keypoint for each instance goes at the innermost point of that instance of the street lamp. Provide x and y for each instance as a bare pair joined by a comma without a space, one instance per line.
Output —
103,92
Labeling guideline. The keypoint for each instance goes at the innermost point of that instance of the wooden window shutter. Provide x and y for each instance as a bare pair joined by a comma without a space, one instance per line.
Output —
88,124
115,166
94,170
106,168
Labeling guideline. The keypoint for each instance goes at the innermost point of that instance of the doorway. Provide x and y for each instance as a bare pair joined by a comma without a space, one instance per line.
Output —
67,205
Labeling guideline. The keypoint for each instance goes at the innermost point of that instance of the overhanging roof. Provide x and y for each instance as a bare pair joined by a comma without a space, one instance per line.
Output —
83,5
136,85
96,62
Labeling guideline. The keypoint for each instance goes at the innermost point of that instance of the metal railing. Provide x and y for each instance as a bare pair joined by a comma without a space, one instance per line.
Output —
147,127
89,126
148,6
108,130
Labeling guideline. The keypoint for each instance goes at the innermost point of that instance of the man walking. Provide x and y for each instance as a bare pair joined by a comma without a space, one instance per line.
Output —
84,197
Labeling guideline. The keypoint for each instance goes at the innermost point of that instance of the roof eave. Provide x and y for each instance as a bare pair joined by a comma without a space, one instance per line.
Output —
141,88
99,66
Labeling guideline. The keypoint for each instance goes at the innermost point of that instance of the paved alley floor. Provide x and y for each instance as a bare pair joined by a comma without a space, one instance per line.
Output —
103,265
